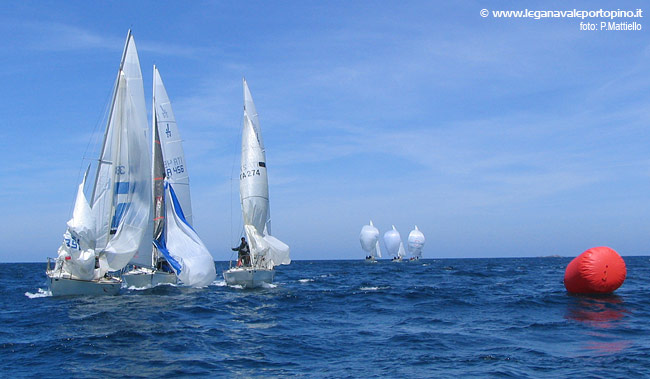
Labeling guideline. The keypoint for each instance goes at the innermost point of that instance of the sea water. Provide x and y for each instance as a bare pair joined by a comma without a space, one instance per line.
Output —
430,318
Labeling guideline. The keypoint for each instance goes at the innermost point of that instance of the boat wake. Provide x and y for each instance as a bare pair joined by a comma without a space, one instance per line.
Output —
269,285
305,280
40,293
219,283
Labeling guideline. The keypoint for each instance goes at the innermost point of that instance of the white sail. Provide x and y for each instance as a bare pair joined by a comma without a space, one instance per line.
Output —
121,202
182,247
266,251
174,236
76,255
416,242
175,168
369,238
393,242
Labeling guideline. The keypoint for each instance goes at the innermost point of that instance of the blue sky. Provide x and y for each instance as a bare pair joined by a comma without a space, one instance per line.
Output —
497,137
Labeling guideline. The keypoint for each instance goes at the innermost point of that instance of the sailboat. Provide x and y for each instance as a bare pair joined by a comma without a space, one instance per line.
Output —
188,259
266,251
107,231
415,243
369,238
394,245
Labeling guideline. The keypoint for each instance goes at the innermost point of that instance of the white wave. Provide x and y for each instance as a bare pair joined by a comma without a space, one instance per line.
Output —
238,286
305,280
269,285
425,264
373,288
40,293
134,288
219,283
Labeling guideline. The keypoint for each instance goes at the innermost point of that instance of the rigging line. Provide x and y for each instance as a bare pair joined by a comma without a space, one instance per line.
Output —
232,169
92,139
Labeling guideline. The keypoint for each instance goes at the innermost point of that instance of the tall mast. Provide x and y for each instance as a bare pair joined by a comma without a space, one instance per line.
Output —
153,163
110,116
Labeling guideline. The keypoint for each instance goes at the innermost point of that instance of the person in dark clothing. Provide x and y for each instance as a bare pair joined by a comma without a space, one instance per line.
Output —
244,256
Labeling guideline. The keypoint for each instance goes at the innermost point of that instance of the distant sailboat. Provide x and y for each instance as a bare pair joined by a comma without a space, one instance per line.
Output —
177,250
416,243
107,231
394,245
369,238
266,251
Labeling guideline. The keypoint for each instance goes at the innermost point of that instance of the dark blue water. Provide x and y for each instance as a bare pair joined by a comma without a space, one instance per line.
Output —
433,318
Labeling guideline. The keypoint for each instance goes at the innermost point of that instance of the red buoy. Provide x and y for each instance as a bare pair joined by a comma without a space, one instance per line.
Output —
597,270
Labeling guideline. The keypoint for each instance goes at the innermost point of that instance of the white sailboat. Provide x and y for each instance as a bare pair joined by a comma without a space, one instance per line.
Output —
107,231
394,245
369,238
266,251
177,250
415,243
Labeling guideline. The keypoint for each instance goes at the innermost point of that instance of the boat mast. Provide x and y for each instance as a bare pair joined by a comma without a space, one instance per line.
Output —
154,140
110,116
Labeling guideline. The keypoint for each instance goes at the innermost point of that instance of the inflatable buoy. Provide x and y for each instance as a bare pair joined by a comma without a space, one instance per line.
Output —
597,270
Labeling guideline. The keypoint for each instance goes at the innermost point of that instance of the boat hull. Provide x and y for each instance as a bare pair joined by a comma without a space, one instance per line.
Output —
64,286
148,279
248,277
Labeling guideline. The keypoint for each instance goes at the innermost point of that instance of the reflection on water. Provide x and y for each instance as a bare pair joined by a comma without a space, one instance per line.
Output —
601,313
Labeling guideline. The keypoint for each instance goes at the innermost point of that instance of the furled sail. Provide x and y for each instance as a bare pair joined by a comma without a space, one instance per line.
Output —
266,250
393,242
369,238
416,242
182,247
121,201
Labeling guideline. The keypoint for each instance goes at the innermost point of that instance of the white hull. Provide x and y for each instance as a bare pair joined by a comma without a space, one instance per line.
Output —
148,278
371,260
62,285
248,277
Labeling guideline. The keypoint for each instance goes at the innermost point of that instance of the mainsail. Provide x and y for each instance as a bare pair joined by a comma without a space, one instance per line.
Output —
173,234
416,242
266,250
393,242
369,238
117,217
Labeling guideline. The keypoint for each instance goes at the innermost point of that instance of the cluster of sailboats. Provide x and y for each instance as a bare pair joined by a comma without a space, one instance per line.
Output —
369,238
136,228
